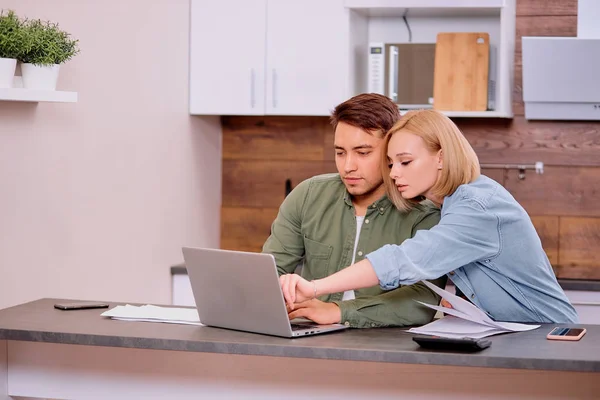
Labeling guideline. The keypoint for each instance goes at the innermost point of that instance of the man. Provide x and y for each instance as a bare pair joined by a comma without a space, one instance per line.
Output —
330,221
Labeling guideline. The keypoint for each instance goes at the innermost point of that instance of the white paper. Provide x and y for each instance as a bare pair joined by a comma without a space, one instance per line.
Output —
464,320
151,313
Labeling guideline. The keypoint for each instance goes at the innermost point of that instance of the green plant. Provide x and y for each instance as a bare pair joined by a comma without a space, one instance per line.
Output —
46,43
12,37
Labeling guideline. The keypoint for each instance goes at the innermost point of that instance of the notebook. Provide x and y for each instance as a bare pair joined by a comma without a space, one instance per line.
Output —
240,290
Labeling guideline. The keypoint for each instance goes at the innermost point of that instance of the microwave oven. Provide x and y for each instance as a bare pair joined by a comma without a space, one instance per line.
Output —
403,72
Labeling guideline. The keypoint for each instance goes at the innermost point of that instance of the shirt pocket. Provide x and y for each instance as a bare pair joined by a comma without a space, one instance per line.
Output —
316,262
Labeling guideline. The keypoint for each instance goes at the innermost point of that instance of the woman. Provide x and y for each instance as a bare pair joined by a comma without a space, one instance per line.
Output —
485,240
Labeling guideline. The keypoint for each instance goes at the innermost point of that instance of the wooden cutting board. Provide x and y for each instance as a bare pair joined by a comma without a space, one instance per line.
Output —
460,80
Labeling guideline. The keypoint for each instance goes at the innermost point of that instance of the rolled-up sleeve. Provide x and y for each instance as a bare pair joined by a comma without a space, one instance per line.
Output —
466,233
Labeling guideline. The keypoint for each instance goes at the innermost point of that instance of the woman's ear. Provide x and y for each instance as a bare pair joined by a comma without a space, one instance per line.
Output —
440,159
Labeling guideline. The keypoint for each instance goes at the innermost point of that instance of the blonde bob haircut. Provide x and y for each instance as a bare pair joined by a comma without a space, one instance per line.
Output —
460,164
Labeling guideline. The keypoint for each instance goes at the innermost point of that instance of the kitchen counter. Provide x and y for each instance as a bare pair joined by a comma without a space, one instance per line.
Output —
49,353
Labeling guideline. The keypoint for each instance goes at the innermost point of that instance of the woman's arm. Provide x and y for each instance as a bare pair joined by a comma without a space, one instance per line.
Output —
466,233
357,276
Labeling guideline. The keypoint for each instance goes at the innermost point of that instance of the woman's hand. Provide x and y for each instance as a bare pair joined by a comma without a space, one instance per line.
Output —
446,304
296,289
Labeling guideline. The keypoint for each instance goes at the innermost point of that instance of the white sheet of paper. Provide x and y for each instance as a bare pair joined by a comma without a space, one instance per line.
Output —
151,313
464,320
158,320
453,327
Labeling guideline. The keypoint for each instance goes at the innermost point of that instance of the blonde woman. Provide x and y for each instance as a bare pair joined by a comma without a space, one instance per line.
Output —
485,241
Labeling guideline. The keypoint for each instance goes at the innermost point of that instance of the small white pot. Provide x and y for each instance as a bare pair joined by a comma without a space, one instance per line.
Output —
40,77
7,72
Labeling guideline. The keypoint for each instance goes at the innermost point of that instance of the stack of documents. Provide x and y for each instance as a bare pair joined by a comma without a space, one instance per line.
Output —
464,320
150,313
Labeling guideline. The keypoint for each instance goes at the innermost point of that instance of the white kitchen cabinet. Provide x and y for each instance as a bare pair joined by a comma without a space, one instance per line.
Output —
269,57
181,288
284,57
227,57
587,305
307,56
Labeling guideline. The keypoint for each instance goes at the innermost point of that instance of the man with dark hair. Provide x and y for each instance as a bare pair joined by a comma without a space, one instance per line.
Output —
331,221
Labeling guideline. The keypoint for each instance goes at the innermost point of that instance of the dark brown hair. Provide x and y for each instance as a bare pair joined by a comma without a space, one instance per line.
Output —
371,112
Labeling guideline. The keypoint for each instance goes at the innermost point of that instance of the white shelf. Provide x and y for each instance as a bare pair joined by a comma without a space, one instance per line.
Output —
28,95
424,3
422,8
381,21
476,114
469,114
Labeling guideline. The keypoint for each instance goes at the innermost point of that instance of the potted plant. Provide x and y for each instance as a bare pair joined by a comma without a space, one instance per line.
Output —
46,47
11,45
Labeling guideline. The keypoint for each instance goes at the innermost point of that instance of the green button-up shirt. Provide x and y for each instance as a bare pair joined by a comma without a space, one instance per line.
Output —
316,228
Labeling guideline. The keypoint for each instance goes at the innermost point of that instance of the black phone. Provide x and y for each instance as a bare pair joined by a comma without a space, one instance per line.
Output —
462,344
80,305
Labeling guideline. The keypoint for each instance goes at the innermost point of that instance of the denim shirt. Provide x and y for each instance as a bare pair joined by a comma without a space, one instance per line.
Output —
488,246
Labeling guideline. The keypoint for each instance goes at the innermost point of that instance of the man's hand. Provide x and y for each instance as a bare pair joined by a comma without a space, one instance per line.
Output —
317,311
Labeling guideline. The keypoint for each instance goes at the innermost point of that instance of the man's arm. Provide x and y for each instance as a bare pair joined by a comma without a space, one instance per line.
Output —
397,307
286,243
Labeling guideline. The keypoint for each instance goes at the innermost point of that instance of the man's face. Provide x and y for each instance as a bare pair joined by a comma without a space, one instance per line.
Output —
358,158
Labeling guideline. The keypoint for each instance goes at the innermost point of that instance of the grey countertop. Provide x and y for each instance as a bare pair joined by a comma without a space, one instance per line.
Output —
566,284
38,321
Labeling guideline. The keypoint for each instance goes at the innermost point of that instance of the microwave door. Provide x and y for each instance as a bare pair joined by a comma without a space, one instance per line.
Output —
393,74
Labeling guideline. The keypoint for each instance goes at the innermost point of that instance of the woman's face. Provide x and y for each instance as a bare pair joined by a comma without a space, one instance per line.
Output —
414,169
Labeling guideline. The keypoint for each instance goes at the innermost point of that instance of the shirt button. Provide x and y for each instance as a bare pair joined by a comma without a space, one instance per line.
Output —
347,323
451,272
473,296
366,221
360,253
381,209
373,325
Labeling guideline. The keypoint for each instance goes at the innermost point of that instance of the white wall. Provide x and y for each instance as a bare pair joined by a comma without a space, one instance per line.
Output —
97,197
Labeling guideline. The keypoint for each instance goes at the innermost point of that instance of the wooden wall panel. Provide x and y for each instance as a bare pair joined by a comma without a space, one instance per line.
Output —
547,229
262,183
559,191
517,93
546,7
280,138
563,25
579,257
246,229
495,174
523,142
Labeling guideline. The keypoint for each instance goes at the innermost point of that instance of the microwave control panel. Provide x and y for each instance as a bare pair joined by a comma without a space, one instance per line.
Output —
376,68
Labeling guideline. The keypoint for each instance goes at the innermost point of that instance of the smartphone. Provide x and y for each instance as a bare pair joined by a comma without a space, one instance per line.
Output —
463,344
566,333
81,305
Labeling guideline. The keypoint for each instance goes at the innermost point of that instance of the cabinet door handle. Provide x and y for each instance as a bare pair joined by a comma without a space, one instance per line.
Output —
274,88
252,89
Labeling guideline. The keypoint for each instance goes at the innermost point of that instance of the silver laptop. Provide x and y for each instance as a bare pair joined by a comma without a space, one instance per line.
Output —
240,290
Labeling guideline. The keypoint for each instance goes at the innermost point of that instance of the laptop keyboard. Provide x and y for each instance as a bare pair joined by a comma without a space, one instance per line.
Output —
300,327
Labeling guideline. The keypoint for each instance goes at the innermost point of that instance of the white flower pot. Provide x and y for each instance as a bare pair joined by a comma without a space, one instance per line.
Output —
7,72
40,77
